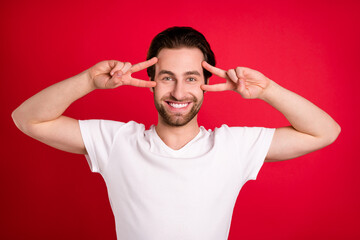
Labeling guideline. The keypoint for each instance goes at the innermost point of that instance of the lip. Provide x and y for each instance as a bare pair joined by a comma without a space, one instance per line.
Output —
173,109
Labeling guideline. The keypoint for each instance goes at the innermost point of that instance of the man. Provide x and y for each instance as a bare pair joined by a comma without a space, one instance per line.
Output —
175,180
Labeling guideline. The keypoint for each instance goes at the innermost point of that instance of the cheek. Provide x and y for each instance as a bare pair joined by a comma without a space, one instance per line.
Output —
163,87
160,91
196,88
198,93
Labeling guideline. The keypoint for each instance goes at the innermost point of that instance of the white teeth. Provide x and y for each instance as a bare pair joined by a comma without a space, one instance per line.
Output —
177,105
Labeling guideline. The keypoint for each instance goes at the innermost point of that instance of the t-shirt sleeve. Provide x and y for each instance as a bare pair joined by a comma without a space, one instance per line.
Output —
98,137
253,146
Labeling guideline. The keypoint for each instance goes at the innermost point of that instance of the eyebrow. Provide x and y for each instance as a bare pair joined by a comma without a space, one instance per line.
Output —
185,74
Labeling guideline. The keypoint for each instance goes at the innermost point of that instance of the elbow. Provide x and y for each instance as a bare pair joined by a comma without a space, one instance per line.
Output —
18,120
333,134
15,118
337,132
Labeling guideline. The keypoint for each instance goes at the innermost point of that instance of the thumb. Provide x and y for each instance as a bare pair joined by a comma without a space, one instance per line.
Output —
115,81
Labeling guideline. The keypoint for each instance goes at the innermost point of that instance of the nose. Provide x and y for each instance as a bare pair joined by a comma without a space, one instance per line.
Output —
179,90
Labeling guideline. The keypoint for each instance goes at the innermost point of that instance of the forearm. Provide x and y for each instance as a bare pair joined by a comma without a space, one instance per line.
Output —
311,128
303,115
50,103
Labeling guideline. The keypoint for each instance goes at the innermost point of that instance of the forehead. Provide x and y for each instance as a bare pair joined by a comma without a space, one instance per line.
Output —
180,60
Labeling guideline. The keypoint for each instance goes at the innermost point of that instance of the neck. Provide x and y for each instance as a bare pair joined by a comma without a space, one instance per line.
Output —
177,137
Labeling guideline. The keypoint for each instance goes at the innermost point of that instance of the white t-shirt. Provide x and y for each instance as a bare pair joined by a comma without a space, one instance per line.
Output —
157,193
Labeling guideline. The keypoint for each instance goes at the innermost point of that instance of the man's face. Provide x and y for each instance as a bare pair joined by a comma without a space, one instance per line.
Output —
178,75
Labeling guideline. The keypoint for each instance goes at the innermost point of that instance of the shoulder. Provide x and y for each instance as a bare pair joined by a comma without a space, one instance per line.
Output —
246,140
225,129
244,132
107,126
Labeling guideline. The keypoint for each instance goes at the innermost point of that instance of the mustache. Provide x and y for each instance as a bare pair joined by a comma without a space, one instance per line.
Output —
174,99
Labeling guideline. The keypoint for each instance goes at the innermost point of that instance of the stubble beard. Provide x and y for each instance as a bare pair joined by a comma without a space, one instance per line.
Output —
178,119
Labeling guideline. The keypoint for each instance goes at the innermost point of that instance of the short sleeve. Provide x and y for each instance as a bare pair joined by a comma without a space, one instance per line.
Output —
253,146
98,137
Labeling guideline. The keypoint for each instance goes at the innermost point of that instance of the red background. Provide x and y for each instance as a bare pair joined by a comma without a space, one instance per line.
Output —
309,47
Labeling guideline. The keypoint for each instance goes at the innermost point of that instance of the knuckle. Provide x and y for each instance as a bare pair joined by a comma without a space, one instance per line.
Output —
118,73
230,72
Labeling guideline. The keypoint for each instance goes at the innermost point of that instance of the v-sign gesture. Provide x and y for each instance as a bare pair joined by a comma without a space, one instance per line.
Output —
311,128
41,116
112,74
247,82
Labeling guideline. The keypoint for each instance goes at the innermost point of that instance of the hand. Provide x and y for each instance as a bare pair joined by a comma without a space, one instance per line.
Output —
247,82
112,74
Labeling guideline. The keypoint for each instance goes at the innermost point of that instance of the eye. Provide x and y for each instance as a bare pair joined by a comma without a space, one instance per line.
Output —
167,78
191,79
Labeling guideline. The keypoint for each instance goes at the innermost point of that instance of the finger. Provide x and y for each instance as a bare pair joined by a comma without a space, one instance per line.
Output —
126,67
116,80
215,88
118,74
217,71
142,65
111,63
142,83
232,75
242,85
116,66
240,72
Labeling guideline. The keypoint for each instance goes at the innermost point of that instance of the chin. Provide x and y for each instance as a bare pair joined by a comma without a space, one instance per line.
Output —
176,121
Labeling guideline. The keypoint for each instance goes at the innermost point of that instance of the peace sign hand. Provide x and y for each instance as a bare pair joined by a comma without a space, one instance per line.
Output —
112,74
247,82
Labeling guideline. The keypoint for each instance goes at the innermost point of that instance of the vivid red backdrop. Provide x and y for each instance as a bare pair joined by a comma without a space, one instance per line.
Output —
309,47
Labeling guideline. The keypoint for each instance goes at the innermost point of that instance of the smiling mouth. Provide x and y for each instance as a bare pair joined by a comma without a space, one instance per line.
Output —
178,105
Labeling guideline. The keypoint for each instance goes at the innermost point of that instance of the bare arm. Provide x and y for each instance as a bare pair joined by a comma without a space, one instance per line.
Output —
311,128
41,117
